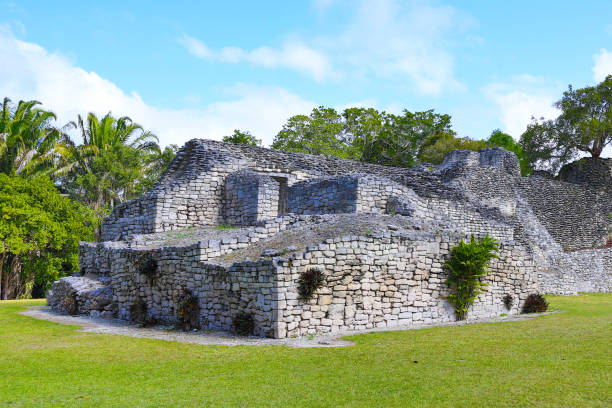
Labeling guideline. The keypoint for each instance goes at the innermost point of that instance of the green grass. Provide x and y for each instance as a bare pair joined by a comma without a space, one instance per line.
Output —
558,360
225,227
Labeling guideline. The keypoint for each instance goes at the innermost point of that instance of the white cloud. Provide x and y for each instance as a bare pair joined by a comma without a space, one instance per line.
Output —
520,99
194,46
403,40
28,71
603,65
322,5
407,42
292,54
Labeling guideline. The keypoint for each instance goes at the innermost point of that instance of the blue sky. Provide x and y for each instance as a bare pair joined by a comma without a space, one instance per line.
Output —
201,69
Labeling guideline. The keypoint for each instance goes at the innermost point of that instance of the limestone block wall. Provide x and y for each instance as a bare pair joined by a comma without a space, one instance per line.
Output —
390,280
330,195
576,216
190,193
470,219
592,268
361,193
221,292
596,173
132,217
250,197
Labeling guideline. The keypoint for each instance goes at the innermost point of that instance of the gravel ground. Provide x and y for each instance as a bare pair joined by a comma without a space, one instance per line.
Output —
124,328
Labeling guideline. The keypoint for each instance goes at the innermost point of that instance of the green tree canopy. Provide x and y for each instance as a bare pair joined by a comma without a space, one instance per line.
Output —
364,134
240,137
110,164
29,143
39,234
584,125
501,139
319,133
437,146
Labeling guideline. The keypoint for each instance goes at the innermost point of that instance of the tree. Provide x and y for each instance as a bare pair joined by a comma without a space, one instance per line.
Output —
319,134
466,266
363,129
240,137
107,168
501,139
408,133
584,126
437,146
29,143
39,234
363,134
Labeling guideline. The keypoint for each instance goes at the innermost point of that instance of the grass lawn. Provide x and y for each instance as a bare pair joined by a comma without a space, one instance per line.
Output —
558,360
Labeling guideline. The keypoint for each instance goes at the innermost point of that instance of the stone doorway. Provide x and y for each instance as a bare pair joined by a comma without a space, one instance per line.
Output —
283,189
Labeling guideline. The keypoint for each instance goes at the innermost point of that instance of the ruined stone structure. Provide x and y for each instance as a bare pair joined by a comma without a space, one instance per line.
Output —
233,227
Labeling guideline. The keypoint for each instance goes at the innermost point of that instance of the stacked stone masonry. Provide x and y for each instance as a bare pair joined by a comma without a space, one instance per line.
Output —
389,273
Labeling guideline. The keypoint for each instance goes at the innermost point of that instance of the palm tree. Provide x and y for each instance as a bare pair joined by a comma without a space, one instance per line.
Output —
104,170
29,143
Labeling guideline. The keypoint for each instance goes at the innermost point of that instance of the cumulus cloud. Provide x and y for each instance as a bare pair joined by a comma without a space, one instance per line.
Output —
292,54
322,5
402,40
405,41
194,46
28,71
603,65
520,99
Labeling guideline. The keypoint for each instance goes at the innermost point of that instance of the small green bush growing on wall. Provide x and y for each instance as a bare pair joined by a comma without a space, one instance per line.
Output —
467,264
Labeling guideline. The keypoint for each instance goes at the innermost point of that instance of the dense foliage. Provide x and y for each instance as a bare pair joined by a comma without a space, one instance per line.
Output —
39,234
117,160
535,303
243,324
466,266
309,282
371,136
108,167
29,143
240,137
584,126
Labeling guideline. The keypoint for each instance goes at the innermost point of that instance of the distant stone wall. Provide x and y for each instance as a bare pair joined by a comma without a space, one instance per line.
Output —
576,216
595,173
132,217
191,191
342,194
592,268
250,197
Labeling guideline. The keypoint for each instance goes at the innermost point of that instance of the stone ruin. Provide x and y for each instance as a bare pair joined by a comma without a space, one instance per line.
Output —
227,232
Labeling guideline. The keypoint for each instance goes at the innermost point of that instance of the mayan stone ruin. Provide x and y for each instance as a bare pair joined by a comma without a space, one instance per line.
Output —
229,229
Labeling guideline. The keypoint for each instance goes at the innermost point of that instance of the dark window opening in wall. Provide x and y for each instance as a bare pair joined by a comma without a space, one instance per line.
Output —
282,194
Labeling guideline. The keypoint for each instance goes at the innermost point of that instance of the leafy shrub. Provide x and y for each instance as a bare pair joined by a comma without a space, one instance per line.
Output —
138,312
508,301
145,264
69,304
189,311
244,324
535,303
309,282
466,266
